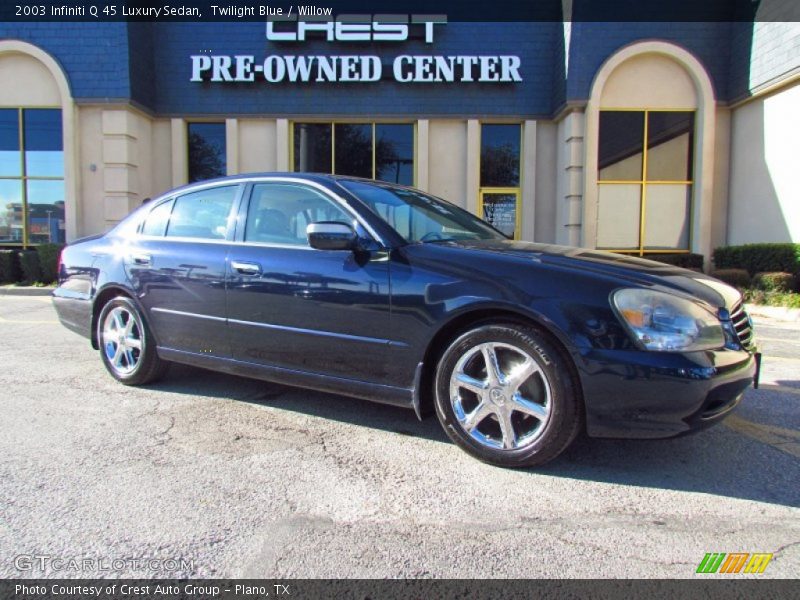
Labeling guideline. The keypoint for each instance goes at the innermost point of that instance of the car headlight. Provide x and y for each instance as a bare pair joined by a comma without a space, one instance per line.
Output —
667,323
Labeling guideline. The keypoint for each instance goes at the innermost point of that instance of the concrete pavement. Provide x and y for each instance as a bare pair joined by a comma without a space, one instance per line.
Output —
238,478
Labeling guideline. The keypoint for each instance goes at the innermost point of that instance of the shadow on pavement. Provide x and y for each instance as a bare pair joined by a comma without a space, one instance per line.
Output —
718,461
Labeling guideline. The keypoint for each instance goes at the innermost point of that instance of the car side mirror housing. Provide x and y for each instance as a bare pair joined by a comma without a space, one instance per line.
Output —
331,235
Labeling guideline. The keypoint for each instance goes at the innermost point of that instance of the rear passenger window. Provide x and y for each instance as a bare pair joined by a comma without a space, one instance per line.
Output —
203,214
156,222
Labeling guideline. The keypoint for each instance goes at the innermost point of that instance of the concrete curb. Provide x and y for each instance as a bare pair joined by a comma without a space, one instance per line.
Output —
779,313
25,290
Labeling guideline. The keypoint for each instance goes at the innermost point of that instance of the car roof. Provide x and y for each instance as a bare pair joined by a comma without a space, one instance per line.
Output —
313,177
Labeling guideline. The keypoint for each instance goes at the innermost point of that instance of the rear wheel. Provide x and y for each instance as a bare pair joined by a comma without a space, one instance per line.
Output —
126,345
505,394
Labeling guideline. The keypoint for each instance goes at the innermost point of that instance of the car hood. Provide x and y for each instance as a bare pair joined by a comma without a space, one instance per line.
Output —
636,271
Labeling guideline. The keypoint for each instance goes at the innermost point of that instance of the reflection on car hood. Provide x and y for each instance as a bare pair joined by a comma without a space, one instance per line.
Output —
637,270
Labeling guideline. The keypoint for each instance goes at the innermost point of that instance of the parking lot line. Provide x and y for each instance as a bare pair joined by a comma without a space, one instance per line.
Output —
785,440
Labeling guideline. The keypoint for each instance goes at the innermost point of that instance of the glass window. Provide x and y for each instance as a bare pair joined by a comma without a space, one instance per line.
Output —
312,147
394,153
500,151
638,209
669,145
353,152
280,212
418,217
11,210
618,214
620,155
45,211
44,156
31,189
207,158
666,224
156,222
10,163
370,150
500,211
202,214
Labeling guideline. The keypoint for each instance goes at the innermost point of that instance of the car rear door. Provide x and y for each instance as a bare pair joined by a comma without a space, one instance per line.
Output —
176,264
295,307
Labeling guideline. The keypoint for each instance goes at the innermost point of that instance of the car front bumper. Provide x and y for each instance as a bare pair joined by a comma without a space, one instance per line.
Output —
637,394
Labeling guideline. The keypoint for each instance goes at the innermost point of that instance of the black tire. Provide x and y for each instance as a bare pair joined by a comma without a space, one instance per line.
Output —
126,363
550,390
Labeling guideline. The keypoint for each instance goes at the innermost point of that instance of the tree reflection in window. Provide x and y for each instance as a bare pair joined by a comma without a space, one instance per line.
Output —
353,150
206,151
394,153
382,151
500,150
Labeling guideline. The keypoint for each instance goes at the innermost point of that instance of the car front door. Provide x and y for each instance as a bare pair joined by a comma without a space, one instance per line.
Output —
299,308
177,267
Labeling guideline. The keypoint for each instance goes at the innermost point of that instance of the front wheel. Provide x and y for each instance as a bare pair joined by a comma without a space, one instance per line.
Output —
126,344
505,394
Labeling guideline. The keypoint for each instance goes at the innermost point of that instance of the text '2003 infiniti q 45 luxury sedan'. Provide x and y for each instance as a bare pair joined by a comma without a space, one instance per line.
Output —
386,293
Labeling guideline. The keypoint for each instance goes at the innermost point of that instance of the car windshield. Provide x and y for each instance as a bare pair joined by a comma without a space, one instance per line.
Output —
418,217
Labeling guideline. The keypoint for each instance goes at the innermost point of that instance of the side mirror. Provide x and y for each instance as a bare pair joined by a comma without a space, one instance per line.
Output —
331,235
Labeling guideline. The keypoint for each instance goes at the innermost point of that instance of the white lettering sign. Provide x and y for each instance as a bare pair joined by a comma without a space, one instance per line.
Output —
423,68
353,68
351,28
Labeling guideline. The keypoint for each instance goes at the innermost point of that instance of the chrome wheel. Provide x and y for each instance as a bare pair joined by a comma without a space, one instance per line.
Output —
122,340
500,396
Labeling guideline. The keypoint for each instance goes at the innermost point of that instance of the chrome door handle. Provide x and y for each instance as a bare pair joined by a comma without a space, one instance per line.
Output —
246,268
142,259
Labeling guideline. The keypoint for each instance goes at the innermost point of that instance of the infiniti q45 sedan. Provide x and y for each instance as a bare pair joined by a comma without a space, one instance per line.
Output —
387,293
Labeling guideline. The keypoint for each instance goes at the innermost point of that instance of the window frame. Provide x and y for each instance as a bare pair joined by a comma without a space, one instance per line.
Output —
247,196
232,220
517,206
504,189
187,127
23,177
356,121
248,203
643,182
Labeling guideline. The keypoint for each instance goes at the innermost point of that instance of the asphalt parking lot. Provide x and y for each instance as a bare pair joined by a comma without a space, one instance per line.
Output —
229,477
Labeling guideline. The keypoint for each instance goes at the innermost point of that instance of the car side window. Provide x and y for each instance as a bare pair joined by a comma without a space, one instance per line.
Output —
279,213
203,214
156,221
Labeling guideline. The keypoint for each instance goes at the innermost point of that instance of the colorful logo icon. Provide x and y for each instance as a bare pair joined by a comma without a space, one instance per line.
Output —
734,562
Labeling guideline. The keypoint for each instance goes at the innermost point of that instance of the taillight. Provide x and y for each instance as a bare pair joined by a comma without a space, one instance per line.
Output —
58,266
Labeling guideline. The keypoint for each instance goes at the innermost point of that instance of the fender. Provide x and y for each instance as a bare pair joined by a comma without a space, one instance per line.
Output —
485,308
108,291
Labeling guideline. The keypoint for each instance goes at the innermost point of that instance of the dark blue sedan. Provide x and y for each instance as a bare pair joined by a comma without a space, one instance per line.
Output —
386,293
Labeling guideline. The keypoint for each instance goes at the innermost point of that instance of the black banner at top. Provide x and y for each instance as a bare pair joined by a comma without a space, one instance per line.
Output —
455,10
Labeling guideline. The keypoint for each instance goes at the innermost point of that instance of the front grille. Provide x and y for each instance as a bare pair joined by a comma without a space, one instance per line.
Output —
742,325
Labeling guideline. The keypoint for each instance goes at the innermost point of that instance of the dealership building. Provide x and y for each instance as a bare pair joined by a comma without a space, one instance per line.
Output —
636,137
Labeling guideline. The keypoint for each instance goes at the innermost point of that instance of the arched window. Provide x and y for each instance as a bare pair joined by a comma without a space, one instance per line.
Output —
649,152
37,179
